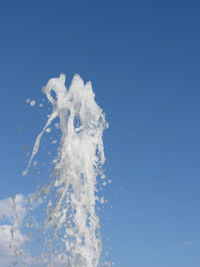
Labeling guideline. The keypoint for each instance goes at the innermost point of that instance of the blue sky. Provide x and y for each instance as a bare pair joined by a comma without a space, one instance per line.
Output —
143,59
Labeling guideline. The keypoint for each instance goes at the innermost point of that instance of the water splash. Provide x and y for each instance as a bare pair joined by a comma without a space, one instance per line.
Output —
77,166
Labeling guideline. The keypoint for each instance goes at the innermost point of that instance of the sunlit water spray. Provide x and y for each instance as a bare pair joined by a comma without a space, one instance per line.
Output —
72,213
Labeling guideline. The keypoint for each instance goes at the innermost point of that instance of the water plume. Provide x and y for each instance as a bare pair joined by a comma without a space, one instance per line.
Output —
72,210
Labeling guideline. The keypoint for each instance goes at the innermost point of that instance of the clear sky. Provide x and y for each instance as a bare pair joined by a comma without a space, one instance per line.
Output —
143,58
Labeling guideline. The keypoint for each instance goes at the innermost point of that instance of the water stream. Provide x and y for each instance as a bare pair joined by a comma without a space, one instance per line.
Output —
73,185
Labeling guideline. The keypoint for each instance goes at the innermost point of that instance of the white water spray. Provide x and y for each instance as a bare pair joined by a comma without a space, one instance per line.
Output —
78,164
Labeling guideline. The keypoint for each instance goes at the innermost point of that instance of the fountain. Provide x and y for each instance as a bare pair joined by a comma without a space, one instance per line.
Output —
72,190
